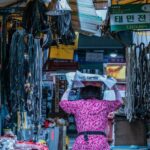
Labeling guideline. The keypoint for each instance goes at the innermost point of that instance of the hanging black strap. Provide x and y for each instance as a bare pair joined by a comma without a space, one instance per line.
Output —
86,133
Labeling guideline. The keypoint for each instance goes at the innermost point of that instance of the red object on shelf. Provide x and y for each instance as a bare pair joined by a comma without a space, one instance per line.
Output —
46,124
26,145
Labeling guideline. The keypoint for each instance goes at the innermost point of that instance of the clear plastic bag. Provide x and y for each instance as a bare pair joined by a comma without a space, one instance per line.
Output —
79,78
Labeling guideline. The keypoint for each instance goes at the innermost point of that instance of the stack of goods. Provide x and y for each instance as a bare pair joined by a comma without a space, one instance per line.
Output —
11,143
54,133
29,146
7,143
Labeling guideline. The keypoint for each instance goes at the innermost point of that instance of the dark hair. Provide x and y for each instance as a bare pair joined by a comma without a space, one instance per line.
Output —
90,92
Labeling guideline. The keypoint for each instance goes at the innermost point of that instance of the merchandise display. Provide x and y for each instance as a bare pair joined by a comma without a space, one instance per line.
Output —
138,83
74,69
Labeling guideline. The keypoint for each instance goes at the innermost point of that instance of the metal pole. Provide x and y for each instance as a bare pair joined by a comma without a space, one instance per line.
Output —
3,57
4,35
0,73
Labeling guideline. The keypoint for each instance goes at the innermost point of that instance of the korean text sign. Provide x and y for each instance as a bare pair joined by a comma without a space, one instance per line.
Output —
130,17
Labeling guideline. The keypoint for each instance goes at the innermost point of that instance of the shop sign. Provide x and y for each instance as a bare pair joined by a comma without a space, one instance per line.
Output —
62,52
130,17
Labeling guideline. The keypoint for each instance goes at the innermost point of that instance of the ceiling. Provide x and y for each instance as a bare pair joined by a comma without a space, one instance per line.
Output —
9,3
99,4
4,3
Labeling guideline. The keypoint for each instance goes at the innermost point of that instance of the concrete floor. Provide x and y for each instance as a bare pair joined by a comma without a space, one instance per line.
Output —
71,141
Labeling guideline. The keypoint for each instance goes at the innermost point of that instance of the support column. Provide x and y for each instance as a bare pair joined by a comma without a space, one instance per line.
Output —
2,59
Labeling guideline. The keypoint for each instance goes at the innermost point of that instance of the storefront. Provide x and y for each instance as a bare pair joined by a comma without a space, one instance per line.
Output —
38,50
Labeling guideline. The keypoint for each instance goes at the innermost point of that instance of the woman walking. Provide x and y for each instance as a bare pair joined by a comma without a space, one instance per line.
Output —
91,116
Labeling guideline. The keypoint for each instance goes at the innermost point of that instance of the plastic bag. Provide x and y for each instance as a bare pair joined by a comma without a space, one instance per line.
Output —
76,80
70,77
62,5
46,1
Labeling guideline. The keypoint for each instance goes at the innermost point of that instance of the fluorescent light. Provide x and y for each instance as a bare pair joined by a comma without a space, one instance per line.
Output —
113,55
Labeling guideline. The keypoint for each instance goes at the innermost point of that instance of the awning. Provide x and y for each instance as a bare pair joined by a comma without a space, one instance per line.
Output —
93,42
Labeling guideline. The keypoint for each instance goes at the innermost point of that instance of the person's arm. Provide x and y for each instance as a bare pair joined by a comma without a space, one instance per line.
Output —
66,94
114,105
68,106
117,94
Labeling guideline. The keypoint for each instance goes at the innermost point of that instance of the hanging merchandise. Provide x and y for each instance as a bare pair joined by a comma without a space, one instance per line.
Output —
84,17
35,21
138,81
83,13
58,7
141,37
25,81
63,51
34,18
60,20
64,29
45,1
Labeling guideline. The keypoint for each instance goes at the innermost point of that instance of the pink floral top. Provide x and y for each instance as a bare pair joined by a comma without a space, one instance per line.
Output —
90,115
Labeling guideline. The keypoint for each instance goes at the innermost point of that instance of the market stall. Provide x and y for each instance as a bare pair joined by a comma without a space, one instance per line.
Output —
42,40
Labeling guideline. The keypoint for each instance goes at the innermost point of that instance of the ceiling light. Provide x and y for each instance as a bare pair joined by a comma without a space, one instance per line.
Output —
113,55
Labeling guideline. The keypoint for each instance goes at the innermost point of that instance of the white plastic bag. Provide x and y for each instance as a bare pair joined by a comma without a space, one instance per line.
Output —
70,78
62,5
75,79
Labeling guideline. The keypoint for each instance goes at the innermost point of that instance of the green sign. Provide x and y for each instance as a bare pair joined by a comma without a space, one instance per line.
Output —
130,17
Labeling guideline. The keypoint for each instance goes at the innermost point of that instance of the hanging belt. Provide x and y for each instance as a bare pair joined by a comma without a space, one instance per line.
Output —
86,133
